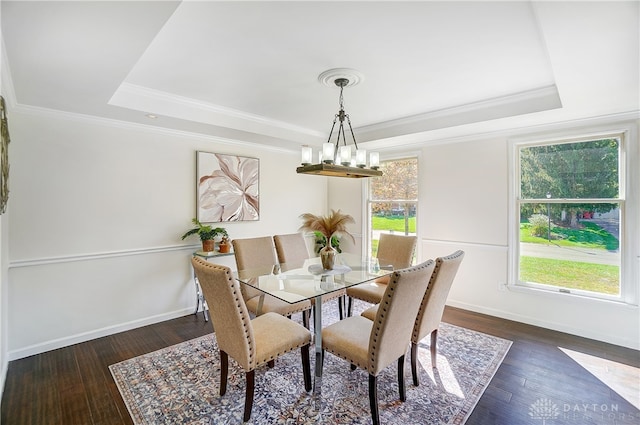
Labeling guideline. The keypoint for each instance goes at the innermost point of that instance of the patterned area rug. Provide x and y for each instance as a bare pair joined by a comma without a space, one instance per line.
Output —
180,384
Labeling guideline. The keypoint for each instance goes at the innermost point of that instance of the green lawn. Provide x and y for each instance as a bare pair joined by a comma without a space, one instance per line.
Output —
393,223
561,273
592,277
600,278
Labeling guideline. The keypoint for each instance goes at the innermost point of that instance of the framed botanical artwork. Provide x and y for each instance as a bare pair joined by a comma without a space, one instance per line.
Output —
227,188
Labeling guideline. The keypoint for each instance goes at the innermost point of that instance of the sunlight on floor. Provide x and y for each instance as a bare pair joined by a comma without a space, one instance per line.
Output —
444,375
621,378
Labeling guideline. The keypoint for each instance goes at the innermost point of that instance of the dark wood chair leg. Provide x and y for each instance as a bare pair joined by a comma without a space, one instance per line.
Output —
224,371
306,367
401,388
373,400
305,319
414,363
248,399
349,306
271,364
341,306
353,367
434,348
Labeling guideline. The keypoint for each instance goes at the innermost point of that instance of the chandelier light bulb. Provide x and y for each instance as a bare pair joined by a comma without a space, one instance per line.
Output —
374,160
361,158
345,155
327,153
307,155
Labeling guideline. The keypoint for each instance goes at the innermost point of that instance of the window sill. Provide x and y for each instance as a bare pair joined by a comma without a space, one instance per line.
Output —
558,294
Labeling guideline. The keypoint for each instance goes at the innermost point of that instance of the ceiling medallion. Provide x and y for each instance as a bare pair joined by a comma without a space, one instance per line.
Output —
329,77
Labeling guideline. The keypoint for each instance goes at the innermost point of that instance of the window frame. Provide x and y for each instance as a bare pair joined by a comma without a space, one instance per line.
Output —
367,202
628,204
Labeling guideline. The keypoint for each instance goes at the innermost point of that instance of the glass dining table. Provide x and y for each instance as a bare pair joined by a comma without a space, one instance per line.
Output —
311,281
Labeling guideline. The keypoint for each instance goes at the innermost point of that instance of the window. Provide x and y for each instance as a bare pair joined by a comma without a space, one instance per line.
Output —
393,200
570,206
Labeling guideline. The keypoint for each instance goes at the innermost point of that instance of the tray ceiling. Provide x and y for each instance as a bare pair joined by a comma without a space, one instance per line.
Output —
248,71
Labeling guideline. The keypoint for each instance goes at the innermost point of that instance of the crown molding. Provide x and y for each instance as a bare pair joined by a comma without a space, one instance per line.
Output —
516,132
144,99
537,100
151,129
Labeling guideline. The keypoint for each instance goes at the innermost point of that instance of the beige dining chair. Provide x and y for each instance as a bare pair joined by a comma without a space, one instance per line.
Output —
259,253
393,250
292,252
373,345
251,343
431,309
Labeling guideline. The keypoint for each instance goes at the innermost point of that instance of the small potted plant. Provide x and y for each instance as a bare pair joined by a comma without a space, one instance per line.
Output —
225,244
206,233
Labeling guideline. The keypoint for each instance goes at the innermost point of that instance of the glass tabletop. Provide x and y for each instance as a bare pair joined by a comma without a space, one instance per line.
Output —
311,280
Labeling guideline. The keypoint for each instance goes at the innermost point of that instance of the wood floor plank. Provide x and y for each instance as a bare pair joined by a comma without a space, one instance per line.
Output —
108,355
17,406
74,386
74,406
96,381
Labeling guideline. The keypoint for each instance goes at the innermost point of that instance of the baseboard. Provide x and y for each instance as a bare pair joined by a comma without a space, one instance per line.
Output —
623,342
87,336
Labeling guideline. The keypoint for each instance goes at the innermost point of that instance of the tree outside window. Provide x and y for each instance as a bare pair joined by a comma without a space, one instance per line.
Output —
393,200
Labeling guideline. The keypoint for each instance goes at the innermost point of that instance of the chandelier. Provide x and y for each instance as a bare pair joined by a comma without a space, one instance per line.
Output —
334,159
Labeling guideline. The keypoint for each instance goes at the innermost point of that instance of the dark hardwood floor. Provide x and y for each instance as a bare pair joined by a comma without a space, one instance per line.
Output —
73,385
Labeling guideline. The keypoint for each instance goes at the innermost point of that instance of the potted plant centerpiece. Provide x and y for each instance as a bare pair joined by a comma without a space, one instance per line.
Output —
331,226
206,233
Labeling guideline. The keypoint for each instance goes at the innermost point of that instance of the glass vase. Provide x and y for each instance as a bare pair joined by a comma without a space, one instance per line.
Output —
328,256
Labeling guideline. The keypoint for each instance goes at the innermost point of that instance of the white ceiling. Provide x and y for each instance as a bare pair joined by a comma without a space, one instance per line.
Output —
249,70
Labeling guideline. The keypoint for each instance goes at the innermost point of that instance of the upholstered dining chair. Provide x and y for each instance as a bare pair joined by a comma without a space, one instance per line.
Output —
393,250
251,343
256,253
431,309
373,345
292,251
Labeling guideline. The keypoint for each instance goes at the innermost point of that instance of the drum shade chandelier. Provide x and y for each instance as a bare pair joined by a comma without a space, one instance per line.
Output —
336,160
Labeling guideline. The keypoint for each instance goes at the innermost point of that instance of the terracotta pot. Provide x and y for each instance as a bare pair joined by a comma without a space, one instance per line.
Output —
208,245
224,247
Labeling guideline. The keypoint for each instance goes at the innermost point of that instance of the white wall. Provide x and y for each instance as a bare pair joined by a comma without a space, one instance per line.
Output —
464,204
97,209
346,196
96,213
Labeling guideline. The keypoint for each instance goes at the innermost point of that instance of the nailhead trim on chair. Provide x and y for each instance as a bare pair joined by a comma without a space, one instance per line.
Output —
252,349
384,305
434,275
352,361
424,300
263,361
